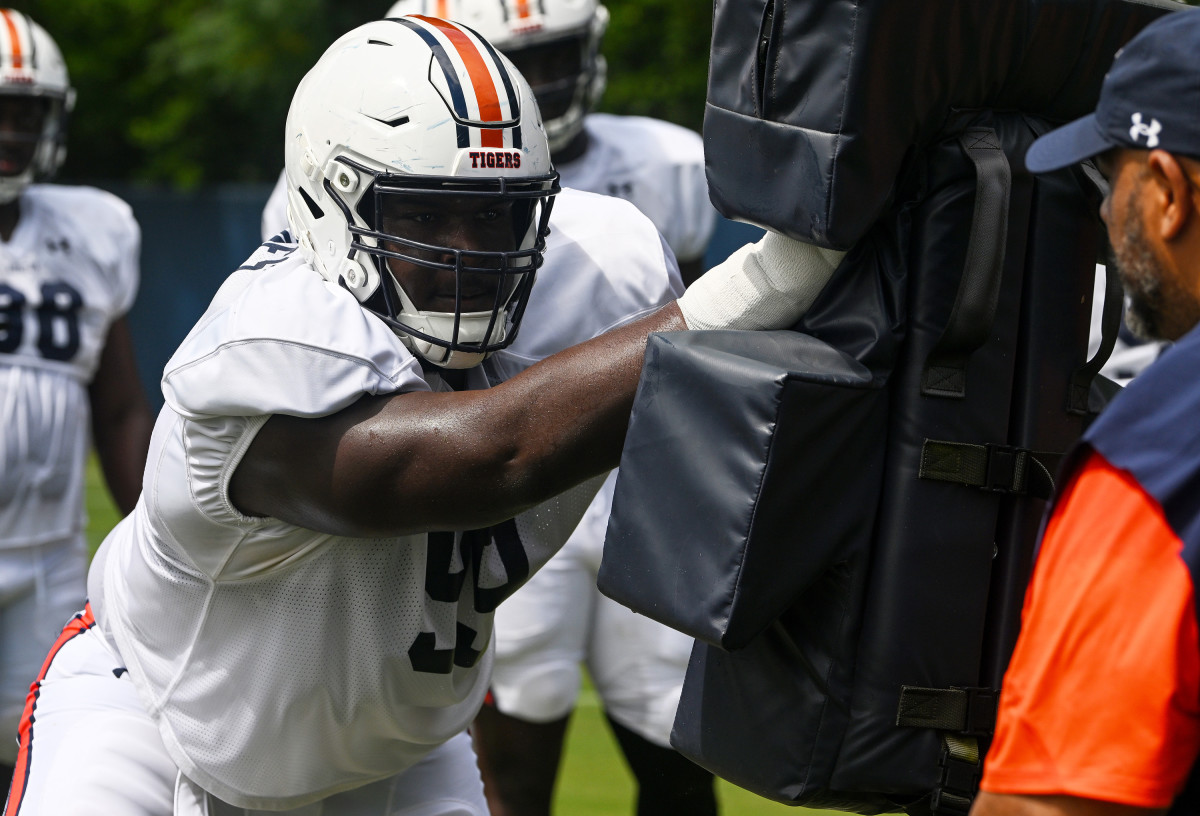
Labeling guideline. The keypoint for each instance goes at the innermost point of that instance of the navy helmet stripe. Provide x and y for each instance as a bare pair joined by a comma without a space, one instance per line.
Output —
456,92
33,54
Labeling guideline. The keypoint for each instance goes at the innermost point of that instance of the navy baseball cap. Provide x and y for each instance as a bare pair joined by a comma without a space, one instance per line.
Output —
1150,98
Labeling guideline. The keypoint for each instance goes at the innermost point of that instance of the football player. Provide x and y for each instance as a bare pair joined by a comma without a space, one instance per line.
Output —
559,620
350,473
68,275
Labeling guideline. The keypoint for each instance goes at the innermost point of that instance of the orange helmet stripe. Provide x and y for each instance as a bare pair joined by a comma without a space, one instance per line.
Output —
14,38
481,80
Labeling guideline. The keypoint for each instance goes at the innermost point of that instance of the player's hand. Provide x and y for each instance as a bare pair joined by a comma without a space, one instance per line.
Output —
768,285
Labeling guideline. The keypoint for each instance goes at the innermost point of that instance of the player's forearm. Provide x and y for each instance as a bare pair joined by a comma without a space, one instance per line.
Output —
516,445
566,417
434,461
573,407
420,461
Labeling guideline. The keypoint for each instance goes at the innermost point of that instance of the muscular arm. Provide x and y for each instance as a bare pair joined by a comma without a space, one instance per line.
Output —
424,461
121,420
999,804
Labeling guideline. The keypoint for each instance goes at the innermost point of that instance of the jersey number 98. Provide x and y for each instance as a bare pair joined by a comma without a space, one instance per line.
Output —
57,320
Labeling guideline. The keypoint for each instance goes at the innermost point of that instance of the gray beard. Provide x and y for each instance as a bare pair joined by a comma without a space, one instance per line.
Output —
1142,279
1144,290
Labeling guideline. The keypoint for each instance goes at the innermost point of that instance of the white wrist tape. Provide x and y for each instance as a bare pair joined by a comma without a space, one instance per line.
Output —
768,285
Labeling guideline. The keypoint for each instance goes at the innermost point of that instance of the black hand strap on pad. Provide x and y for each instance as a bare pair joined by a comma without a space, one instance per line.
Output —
970,323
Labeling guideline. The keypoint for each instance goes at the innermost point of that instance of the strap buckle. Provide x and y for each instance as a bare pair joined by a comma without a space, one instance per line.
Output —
962,768
1004,471
982,704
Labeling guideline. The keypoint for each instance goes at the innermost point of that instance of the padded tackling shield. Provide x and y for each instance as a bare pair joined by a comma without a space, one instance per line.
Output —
852,552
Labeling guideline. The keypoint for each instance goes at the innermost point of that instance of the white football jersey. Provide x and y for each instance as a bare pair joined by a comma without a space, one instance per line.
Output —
284,665
657,165
69,271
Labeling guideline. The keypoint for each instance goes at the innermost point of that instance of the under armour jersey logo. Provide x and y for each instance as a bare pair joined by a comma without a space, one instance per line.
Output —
1140,129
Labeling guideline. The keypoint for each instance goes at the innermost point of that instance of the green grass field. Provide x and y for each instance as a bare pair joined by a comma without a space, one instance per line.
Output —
593,780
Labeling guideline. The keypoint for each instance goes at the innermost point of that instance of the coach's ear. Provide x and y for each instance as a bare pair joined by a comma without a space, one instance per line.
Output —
1171,190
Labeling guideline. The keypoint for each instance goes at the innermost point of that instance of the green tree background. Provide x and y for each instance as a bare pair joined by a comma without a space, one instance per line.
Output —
191,92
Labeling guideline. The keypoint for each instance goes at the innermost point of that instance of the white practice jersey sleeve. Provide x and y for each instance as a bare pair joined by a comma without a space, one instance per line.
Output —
69,270
283,665
658,166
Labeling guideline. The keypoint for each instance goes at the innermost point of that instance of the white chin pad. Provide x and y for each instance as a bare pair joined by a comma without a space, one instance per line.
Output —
471,329
768,285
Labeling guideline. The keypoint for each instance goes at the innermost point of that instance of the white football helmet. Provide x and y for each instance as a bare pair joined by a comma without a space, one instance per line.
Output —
418,107
31,65
554,43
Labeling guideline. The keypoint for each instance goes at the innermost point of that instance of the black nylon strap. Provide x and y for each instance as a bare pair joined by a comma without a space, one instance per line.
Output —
995,468
970,323
961,714
962,710
961,769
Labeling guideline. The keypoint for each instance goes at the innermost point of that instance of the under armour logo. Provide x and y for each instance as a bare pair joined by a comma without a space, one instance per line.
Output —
621,189
1150,131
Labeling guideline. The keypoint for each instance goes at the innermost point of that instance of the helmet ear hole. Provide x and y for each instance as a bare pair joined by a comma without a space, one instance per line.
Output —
313,208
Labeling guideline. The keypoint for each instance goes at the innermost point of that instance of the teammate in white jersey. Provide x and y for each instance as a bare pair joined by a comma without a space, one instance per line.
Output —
68,275
559,620
357,462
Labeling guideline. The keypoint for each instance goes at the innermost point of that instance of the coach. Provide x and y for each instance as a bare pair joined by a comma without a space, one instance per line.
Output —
1100,712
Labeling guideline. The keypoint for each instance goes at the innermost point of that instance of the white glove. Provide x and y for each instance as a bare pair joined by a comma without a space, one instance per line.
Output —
768,285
